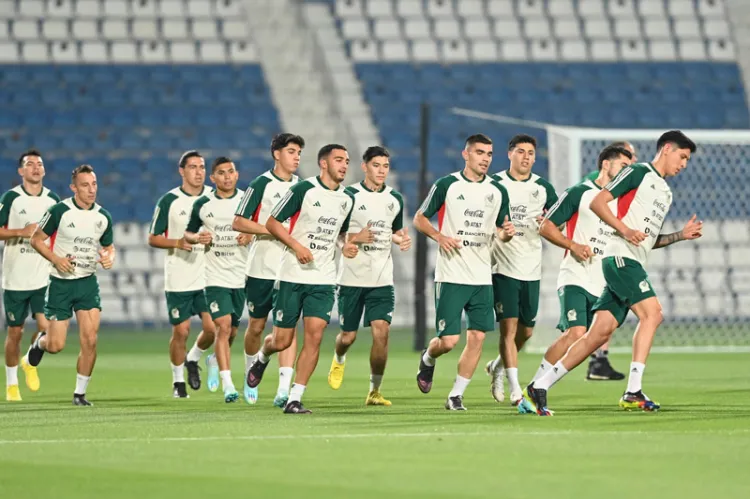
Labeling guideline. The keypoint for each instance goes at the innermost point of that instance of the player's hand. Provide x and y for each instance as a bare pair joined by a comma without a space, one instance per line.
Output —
304,255
106,258
64,265
184,245
405,243
634,237
350,250
244,239
28,231
508,228
693,228
205,238
581,252
364,236
448,244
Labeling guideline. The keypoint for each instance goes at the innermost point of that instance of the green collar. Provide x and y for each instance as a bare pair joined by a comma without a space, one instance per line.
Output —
370,190
324,186
203,189
473,181
216,194
654,170
515,179
279,178
32,195
84,209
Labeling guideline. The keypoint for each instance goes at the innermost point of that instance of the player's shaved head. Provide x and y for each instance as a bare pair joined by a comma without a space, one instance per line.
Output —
78,170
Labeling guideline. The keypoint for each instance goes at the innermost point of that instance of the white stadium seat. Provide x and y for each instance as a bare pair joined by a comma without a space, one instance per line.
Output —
513,50
64,51
737,255
235,30
171,8
446,29
477,29
228,9
440,9
500,9
242,52
573,50
116,9
633,50
153,51
94,52
417,28
651,8
716,28
597,28
470,8
55,29
657,28
687,29
124,52
543,50
722,50
182,51
214,51
26,29
424,51
364,51
115,29
681,8
735,231
603,50
394,51
199,9
662,50
143,8
145,29
622,9
60,9
9,52
386,29
174,29
627,28
454,51
537,28
35,52
483,51
349,8
205,29
31,8
591,9
711,8
561,8
692,50
88,9
355,29
379,9
409,8
530,8
507,29
567,28
85,29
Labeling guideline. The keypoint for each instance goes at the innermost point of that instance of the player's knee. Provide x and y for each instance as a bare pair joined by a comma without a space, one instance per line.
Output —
282,339
475,339
348,338
55,345
450,342
14,335
224,329
575,333
180,332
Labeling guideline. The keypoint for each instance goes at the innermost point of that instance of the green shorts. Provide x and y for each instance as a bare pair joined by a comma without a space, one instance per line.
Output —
259,294
18,303
516,299
376,303
65,296
310,300
182,305
452,299
225,301
627,284
576,307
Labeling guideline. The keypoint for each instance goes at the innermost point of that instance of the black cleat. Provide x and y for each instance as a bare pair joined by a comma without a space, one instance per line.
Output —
455,403
538,399
255,373
424,375
35,353
296,407
179,391
194,374
601,370
81,400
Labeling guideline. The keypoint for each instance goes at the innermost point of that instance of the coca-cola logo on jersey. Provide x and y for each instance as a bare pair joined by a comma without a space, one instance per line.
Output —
84,240
474,213
376,224
328,220
223,228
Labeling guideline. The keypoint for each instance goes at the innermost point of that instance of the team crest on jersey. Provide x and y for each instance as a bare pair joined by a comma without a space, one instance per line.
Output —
279,315
441,325
536,194
250,306
391,207
214,307
489,199
644,286
344,207
175,313
572,315
99,224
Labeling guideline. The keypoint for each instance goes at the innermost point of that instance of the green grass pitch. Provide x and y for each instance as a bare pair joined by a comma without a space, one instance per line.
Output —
138,442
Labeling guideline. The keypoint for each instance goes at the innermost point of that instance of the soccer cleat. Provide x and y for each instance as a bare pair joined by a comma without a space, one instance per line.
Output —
213,373
296,407
35,353
424,375
525,407
32,377
12,393
638,400
251,394
179,391
497,387
336,374
255,373
455,403
230,395
281,399
601,370
80,400
194,374
376,398
538,400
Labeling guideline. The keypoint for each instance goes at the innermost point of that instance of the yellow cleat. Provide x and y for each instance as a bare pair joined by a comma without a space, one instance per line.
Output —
376,398
12,393
336,374
32,378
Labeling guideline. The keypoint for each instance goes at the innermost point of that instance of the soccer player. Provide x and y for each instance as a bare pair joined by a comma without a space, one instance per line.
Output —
366,281
627,145
517,265
264,259
319,209
183,274
25,272
226,256
80,233
643,201
580,281
472,210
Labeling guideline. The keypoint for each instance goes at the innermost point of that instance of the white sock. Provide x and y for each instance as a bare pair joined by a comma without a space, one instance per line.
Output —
375,381
178,373
339,359
429,361
295,394
551,377
249,360
194,355
495,363
262,357
636,376
459,386
11,375
512,373
82,382
285,379
226,380
543,368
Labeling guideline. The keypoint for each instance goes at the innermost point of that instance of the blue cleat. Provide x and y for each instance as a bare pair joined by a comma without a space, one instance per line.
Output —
213,373
280,399
251,394
525,407
231,395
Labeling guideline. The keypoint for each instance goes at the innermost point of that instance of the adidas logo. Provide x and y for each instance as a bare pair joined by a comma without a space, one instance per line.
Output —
183,213
634,370
72,225
317,203
210,215
277,196
461,198
22,212
361,208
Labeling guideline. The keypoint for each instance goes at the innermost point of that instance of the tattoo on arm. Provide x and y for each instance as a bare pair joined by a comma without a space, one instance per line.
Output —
666,239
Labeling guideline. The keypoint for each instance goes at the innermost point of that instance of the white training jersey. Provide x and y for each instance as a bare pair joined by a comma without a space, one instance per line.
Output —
643,201
472,212
383,212
261,196
225,257
79,233
23,268
582,226
317,216
521,257
183,270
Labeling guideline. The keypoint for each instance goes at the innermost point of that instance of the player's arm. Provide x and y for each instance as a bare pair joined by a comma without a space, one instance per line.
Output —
193,234
6,201
157,234
431,205
48,226
246,211
693,230
348,248
558,214
107,251
288,207
400,234
627,180
505,228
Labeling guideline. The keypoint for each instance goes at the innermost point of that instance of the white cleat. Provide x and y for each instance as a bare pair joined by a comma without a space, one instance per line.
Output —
516,398
498,378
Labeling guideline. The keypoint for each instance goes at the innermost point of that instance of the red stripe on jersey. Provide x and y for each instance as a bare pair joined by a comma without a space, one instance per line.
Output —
52,240
441,215
257,213
293,221
624,202
166,233
570,228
